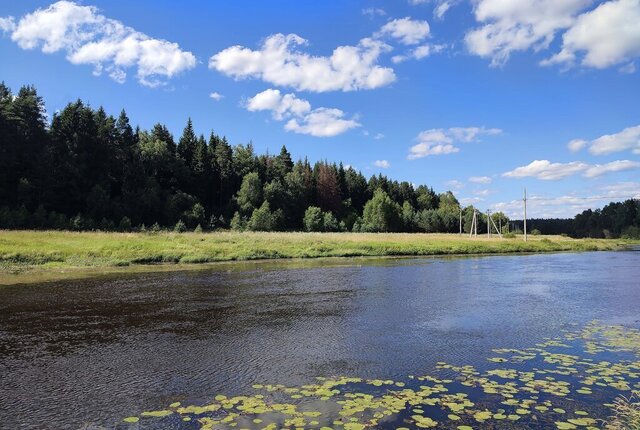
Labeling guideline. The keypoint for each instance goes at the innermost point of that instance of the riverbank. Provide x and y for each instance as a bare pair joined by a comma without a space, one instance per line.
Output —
47,255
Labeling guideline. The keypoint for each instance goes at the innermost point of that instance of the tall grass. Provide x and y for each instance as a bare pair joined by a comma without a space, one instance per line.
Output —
48,250
626,413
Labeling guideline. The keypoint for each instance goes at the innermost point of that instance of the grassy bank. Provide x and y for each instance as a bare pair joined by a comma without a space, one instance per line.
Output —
54,251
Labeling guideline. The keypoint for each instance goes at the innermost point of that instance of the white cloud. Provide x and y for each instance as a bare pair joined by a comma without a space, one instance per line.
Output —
408,31
441,9
546,170
470,201
454,184
628,68
439,141
509,26
607,35
383,164
483,193
576,145
373,11
7,24
108,45
569,205
378,136
627,139
279,62
418,53
216,96
281,106
320,122
480,179
614,166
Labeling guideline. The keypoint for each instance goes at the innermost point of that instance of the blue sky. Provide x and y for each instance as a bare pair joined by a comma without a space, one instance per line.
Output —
480,97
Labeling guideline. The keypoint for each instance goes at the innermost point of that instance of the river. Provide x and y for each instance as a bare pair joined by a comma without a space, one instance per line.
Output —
89,353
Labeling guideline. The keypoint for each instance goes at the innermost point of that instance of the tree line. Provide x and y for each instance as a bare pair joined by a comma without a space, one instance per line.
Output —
617,219
86,169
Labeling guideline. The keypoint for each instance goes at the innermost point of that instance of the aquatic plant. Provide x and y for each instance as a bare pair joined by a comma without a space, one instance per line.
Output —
562,383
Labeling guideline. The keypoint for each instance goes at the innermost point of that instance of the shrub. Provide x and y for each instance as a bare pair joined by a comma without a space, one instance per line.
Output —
125,224
381,214
631,232
313,219
509,235
535,232
180,227
262,219
238,222
198,229
330,222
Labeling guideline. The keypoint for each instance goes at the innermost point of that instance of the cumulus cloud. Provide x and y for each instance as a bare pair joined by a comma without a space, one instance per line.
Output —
108,45
546,170
408,31
480,179
281,106
280,62
7,24
614,166
510,26
576,145
383,164
301,118
567,206
606,36
439,141
627,139
216,96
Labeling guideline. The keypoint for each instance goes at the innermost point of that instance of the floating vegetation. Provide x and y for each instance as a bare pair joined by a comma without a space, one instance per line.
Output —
562,383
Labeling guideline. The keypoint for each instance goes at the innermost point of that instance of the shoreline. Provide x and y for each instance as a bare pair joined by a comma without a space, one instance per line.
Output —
45,256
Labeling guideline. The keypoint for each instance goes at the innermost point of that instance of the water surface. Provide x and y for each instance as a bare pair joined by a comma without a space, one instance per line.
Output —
91,352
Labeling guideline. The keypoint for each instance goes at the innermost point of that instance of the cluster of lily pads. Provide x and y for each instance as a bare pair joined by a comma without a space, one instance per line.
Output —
565,383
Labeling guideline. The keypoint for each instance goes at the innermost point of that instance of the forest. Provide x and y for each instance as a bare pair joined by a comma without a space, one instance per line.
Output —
88,170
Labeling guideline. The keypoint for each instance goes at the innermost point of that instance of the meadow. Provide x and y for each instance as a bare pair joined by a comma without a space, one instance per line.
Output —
54,254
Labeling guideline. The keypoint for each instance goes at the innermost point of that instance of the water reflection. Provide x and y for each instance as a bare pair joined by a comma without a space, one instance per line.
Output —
109,348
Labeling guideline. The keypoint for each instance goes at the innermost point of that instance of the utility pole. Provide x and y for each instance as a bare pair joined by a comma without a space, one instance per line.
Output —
460,220
525,214
488,224
475,221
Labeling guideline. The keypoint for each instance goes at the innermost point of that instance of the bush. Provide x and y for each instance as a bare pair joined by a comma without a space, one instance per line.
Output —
125,224
155,227
535,232
313,219
238,222
631,232
509,235
198,229
330,222
262,219
381,214
180,227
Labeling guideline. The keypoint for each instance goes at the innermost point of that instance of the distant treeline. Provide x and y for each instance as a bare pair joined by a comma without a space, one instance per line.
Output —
618,219
88,170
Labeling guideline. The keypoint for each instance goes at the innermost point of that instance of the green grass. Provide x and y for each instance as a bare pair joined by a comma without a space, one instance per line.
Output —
47,252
